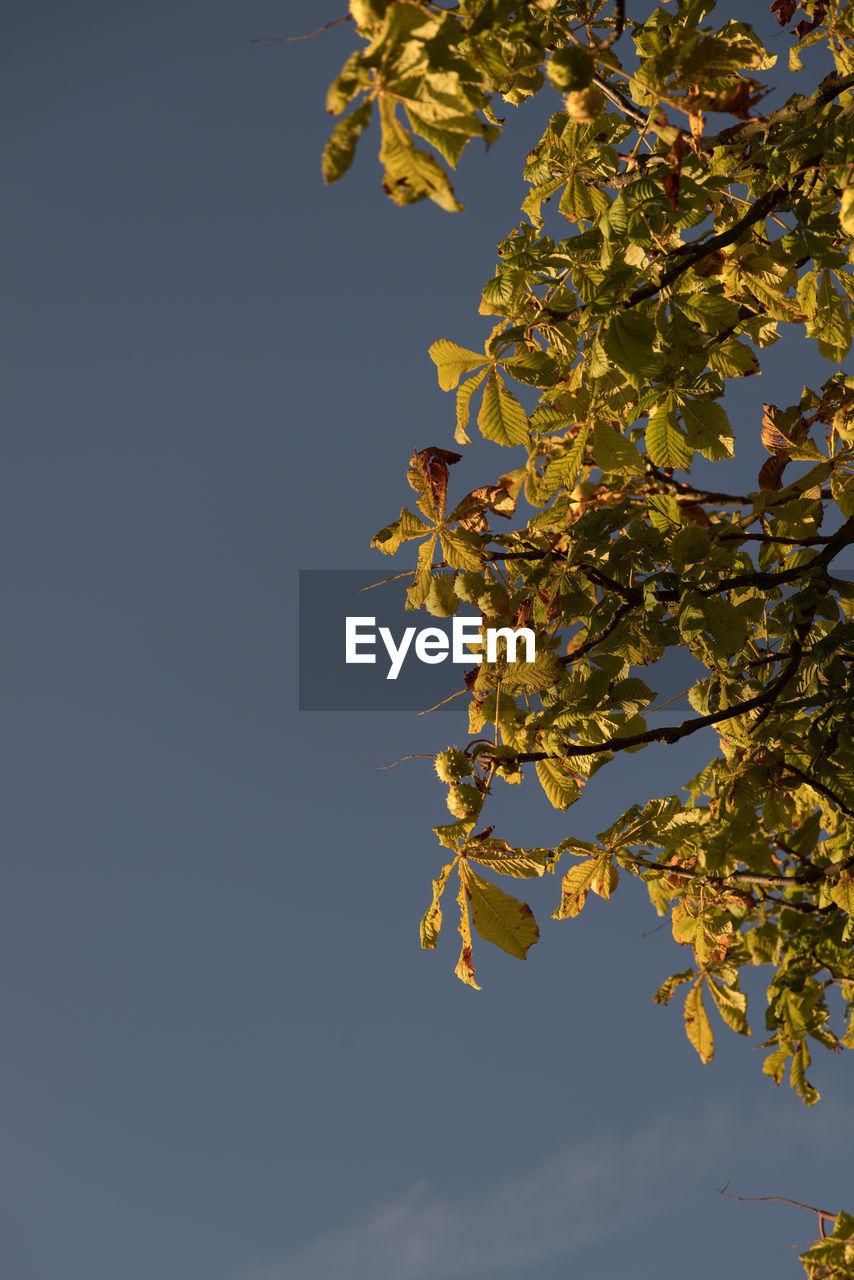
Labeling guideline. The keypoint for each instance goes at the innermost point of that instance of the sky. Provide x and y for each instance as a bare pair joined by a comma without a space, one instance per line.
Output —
226,1057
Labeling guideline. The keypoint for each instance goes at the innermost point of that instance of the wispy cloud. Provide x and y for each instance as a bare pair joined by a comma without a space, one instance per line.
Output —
586,1192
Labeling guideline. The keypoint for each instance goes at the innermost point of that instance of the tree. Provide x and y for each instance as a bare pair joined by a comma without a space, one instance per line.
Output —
689,244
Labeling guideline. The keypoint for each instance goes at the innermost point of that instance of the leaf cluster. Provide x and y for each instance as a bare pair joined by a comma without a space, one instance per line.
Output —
656,260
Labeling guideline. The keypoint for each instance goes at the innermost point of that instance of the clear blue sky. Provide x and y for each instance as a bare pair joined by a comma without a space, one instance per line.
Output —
225,1056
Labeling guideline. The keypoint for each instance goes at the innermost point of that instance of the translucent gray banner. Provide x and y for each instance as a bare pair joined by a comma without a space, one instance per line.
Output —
404,661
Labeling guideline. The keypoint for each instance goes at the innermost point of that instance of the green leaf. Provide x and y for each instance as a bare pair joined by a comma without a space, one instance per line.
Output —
499,917
666,443
465,969
575,886
697,1026
629,342
442,600
613,452
450,834
431,921
732,1006
842,892
465,391
452,361
800,1066
341,147
410,173
462,550
842,489
775,1064
707,428
665,992
354,77
501,416
423,578
562,472
499,856
559,784
407,526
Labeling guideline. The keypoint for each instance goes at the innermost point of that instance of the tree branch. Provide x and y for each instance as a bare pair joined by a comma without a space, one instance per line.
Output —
585,648
621,101
308,35
699,248
670,734
831,88
821,787
822,1213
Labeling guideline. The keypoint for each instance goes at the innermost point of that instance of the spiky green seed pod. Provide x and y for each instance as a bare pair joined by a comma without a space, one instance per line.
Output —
570,68
585,105
464,801
452,766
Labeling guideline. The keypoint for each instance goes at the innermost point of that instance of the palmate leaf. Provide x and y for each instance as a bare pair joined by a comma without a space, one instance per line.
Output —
407,526
452,361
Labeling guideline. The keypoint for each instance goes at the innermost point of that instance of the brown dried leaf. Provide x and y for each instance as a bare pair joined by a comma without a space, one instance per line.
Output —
803,28
785,10
433,463
771,472
782,429
696,514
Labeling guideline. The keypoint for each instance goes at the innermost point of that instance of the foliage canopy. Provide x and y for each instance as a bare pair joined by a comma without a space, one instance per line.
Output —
697,226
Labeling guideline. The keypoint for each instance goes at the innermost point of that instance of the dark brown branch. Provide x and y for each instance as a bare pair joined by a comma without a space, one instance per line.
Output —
760,878
585,648
619,24
768,537
308,35
763,879
691,252
831,88
690,493
669,734
843,537
628,108
822,788
630,594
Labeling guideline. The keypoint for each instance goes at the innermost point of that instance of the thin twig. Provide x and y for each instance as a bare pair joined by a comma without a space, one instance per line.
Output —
348,17
822,1214
395,763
